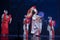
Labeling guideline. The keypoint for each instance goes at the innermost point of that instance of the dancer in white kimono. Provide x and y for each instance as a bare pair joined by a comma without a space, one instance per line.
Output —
36,27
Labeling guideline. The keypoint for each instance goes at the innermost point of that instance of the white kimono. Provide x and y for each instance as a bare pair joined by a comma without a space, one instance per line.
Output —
36,26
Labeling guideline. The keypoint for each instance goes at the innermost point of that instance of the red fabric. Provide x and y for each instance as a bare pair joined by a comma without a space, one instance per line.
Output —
50,23
5,25
29,16
26,34
53,33
27,20
29,11
4,37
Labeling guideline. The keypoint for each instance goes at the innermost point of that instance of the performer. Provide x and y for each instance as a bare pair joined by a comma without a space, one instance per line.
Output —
6,19
27,21
51,27
37,25
26,28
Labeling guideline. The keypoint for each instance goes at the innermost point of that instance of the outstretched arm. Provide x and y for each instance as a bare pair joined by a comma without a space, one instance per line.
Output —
10,20
2,17
34,9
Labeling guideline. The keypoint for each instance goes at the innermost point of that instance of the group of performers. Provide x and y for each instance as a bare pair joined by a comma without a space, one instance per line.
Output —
32,17
35,19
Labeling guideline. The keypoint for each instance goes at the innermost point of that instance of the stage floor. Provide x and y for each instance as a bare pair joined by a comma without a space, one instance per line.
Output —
20,37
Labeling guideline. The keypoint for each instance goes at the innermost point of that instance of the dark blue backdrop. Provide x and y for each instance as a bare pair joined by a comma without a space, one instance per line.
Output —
18,8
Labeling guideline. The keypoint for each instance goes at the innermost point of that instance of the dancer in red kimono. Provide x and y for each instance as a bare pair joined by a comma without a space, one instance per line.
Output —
6,19
27,21
51,28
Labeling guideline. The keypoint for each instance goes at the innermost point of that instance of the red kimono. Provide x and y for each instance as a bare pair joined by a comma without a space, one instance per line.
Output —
4,27
5,23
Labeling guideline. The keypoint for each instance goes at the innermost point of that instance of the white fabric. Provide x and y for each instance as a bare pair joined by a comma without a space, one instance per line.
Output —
2,16
34,17
48,28
40,27
33,29
35,10
36,26
50,31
